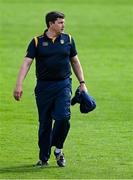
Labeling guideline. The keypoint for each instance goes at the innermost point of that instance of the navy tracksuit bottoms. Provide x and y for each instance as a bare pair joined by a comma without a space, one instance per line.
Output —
53,103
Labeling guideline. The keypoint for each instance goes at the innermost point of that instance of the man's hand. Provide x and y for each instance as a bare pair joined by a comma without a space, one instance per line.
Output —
18,93
83,87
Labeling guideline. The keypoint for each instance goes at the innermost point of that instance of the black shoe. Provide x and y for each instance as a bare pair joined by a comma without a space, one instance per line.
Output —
41,163
60,159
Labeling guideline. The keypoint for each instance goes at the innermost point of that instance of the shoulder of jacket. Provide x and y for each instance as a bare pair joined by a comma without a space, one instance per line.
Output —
37,38
68,35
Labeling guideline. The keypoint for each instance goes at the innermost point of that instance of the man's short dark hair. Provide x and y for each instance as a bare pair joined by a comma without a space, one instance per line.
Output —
52,17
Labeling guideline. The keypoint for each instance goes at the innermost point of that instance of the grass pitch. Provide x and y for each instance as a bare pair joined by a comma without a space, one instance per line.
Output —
100,144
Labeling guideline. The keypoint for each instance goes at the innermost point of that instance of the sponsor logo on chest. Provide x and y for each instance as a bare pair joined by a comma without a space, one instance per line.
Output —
45,44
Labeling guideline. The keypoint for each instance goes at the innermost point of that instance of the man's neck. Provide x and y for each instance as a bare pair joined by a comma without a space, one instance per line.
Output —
51,34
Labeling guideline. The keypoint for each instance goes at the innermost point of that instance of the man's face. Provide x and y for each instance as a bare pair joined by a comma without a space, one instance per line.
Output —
58,25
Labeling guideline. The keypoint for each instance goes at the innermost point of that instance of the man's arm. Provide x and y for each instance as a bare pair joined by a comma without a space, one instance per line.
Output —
21,76
77,68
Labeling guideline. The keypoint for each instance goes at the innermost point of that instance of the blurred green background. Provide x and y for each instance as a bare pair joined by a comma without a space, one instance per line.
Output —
100,144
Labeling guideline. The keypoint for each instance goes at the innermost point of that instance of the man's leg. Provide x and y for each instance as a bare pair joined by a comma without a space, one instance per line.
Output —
44,138
44,105
61,114
60,131
44,141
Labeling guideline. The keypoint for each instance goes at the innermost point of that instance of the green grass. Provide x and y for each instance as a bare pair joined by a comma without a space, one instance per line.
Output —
100,144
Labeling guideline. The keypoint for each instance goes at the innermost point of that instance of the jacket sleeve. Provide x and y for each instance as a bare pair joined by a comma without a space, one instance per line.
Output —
73,51
31,50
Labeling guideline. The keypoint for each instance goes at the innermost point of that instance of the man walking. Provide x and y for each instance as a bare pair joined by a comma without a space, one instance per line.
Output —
55,53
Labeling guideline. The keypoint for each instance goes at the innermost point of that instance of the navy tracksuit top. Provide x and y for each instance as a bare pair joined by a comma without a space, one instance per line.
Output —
52,56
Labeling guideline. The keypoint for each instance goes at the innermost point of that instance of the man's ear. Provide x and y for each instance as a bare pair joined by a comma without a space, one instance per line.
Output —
50,23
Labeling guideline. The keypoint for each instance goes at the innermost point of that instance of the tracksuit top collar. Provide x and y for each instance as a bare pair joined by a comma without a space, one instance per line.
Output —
54,39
